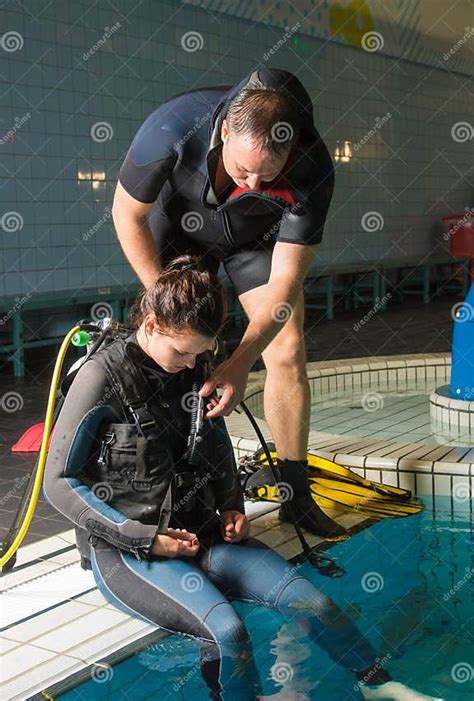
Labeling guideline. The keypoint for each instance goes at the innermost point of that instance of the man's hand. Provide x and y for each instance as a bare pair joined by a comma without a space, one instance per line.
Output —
234,526
176,543
231,375
290,265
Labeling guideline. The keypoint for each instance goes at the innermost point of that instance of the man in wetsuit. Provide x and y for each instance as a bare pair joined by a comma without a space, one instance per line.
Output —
240,175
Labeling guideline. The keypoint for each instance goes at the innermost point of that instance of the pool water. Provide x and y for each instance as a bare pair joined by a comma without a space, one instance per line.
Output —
408,587
397,414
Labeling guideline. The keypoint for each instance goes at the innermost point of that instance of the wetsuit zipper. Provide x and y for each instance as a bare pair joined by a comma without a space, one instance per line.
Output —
227,233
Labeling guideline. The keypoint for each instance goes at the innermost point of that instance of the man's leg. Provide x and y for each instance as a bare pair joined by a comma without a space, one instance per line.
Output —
287,397
287,404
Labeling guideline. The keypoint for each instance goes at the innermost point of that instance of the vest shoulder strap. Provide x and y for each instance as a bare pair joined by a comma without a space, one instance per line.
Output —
129,382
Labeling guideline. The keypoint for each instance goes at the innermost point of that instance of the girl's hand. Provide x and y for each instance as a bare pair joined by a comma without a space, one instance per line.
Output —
176,543
234,526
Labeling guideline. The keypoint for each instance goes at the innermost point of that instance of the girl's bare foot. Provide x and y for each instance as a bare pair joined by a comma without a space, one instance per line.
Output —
394,691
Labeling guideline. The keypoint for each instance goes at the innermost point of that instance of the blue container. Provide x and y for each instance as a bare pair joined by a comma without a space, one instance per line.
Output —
462,371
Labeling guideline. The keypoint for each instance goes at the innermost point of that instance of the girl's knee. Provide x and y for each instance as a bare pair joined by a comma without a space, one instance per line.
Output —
225,625
299,594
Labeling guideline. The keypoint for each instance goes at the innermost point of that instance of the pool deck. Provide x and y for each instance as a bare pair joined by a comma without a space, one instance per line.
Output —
422,468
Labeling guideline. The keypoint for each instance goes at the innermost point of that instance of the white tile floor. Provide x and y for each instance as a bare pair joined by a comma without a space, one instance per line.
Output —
402,418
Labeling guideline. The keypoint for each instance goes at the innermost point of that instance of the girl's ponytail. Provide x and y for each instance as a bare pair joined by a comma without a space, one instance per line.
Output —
186,296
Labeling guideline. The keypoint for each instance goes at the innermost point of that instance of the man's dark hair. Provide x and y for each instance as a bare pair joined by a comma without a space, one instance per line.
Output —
267,115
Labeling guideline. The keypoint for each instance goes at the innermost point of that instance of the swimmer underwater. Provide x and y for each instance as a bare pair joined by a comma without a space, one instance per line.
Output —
150,524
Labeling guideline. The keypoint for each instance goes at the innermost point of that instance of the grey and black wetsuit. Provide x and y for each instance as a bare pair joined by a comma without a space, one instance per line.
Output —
190,596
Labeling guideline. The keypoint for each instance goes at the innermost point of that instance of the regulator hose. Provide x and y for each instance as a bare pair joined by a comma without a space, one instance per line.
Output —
197,423
323,564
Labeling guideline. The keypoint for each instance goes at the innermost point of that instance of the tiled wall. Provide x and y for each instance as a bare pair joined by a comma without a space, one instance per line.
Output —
432,32
61,76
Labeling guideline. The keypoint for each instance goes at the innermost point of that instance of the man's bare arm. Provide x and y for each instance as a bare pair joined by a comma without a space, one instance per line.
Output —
134,234
290,265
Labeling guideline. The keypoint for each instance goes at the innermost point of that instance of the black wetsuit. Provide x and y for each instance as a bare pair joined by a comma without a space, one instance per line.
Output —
186,595
172,162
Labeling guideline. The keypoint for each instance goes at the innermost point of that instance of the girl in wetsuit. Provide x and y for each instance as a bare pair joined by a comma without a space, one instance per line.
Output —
164,532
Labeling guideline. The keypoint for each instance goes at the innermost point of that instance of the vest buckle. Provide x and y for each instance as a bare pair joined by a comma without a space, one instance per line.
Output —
142,417
104,448
141,485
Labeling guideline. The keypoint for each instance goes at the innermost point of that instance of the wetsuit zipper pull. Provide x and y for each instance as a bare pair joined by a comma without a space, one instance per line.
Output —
135,551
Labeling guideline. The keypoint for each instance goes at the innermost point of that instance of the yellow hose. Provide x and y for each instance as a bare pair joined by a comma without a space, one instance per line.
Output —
43,450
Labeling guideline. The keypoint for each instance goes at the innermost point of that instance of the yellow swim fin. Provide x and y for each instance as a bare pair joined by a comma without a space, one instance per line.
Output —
334,486
322,465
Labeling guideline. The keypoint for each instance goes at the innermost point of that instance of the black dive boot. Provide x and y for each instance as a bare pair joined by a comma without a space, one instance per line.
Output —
306,512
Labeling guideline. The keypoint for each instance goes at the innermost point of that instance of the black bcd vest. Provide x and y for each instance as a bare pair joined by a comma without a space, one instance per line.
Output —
140,458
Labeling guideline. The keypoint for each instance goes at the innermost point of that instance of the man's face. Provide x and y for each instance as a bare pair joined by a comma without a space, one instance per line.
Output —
247,165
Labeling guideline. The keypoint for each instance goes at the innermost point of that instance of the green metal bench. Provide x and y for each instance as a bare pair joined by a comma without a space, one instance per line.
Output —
12,309
354,283
414,276
357,283
119,299
366,283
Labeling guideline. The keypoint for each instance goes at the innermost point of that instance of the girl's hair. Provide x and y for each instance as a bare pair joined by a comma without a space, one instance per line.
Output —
185,297
267,115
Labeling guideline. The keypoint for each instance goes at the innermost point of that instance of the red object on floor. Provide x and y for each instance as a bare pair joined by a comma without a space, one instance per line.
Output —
30,441
461,237
461,234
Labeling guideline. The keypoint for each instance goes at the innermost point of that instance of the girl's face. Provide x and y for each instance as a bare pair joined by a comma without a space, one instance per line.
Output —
172,351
